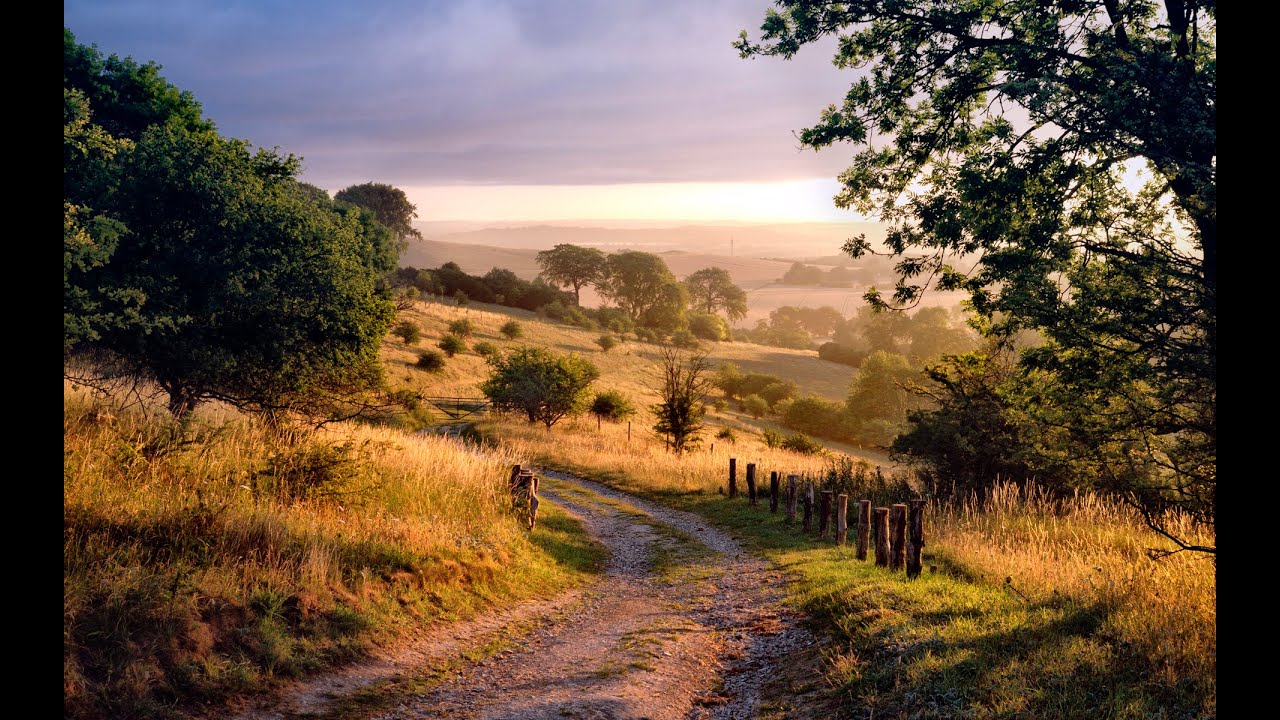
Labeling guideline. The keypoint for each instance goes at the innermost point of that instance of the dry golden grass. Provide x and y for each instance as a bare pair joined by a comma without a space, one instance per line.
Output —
631,367
200,569
1095,551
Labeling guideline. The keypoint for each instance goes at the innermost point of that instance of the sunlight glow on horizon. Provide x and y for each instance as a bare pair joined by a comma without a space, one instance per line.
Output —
781,201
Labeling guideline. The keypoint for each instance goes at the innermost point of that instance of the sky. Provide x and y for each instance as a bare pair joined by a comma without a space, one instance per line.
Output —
506,109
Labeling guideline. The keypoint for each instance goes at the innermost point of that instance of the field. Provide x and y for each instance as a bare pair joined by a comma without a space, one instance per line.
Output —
205,564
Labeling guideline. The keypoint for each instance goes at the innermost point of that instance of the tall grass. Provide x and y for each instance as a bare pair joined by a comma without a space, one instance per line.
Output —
1098,552
207,560
1036,608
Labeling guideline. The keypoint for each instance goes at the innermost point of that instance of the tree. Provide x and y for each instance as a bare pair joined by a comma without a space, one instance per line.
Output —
511,330
389,204
879,387
712,288
683,388
612,405
642,285
573,266
544,386
1069,151
408,331
606,342
224,278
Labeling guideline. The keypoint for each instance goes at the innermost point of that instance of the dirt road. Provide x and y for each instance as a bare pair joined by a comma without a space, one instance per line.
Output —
683,624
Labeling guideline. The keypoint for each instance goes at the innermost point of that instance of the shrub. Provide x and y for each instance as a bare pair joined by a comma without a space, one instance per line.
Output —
755,405
606,342
612,405
708,327
727,435
720,405
648,335
541,384
407,331
803,444
511,330
813,415
485,349
841,353
431,361
452,345
461,298
776,392
555,310
771,438
682,338
462,327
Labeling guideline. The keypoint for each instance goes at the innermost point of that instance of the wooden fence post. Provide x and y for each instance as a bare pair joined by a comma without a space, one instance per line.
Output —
533,501
791,499
751,483
915,538
882,536
773,491
824,513
513,484
898,537
733,478
864,528
842,519
808,505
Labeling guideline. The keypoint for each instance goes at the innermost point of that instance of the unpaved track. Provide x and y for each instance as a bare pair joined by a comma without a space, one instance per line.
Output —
694,639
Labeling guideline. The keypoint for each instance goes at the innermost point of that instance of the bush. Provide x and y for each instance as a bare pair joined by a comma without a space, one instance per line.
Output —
541,384
407,331
431,361
708,327
727,435
606,342
461,298
555,310
682,338
803,444
612,405
485,349
755,405
463,328
776,392
771,438
720,405
729,379
648,335
511,330
452,345
841,353
813,415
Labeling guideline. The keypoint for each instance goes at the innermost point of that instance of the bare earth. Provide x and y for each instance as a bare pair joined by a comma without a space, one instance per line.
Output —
695,634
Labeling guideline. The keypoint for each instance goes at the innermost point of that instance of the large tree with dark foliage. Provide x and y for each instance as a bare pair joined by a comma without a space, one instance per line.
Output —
1067,151
712,289
388,203
194,262
572,266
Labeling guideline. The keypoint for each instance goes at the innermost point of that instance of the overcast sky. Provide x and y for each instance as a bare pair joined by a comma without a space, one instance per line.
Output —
473,94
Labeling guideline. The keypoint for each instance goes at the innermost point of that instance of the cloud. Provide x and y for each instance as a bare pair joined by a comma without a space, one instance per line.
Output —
488,92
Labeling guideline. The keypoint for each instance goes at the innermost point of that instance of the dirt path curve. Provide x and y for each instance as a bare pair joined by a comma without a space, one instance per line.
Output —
684,624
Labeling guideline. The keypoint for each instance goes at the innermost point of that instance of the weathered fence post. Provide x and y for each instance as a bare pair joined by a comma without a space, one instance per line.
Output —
733,478
882,536
915,538
898,537
824,513
791,499
842,519
808,505
533,500
864,528
513,484
751,483
773,491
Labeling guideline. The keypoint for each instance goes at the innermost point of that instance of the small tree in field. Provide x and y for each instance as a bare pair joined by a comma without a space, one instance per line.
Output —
462,327
452,345
611,405
408,331
684,386
606,342
511,330
544,386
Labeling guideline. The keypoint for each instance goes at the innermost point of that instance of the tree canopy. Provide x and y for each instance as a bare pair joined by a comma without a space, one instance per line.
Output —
1065,152
388,203
642,285
195,262
573,266
712,289
543,385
